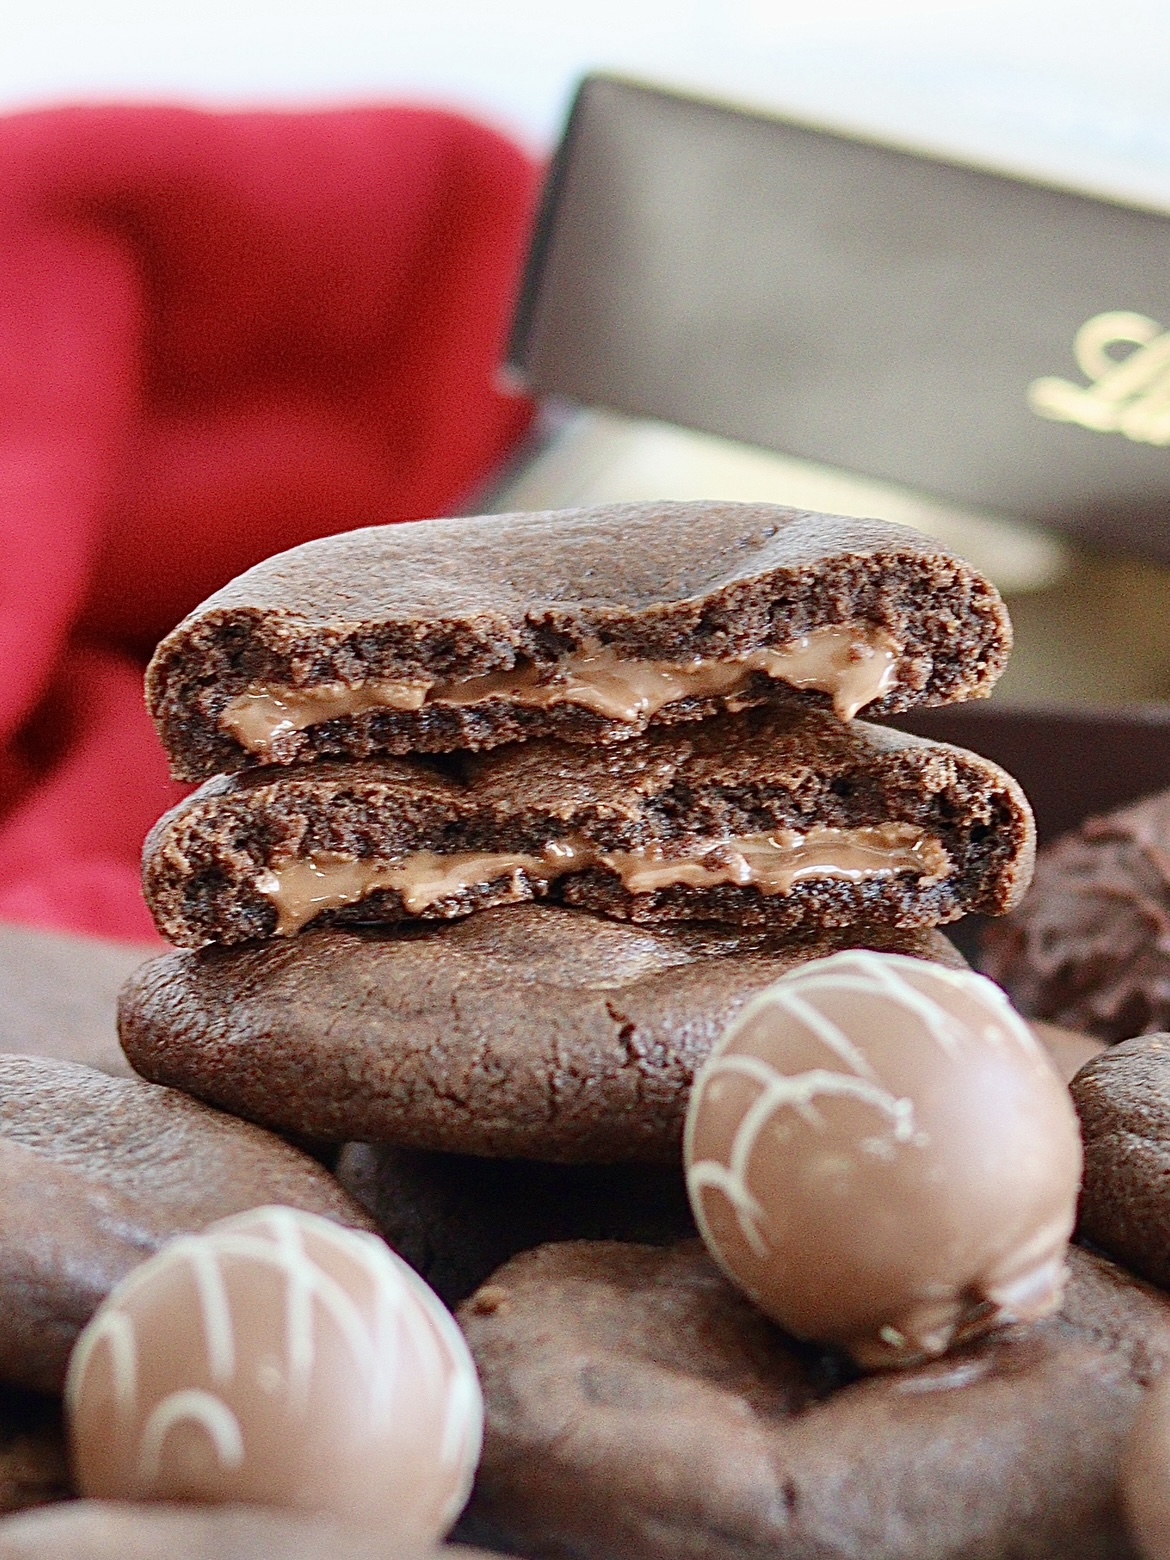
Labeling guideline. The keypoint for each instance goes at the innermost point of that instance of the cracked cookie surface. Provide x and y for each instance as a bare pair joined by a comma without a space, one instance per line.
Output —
527,1032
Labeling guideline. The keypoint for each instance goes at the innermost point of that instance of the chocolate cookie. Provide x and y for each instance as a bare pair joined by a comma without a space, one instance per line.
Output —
529,1033
638,1407
1123,1100
1089,947
34,1466
59,995
455,1219
782,818
585,624
96,1174
109,1530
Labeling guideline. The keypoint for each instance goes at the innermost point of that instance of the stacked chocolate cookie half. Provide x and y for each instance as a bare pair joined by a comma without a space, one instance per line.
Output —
503,818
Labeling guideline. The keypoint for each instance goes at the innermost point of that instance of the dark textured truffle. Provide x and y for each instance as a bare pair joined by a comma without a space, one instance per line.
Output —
210,864
530,1032
462,598
638,1408
1089,947
1123,1100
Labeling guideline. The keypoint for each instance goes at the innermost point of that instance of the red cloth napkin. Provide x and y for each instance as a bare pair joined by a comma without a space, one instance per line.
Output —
220,335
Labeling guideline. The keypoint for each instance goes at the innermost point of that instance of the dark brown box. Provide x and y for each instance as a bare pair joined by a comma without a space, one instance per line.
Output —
1072,763
974,336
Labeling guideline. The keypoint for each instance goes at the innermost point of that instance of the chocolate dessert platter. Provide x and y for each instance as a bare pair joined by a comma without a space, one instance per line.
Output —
563,1125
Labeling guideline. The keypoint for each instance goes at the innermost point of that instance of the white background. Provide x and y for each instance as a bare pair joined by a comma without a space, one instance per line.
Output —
1076,90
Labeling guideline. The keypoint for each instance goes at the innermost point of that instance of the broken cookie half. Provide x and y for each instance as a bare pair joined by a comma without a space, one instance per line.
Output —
775,817
587,624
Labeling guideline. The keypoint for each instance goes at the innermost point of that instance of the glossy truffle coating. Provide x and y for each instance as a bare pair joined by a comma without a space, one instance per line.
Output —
883,1157
1145,1475
278,1360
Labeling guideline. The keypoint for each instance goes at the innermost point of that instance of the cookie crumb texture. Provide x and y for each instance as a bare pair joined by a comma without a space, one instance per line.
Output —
638,1408
477,596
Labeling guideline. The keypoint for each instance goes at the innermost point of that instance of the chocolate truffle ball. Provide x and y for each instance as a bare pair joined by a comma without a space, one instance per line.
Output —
1145,1474
882,1156
281,1360
1089,947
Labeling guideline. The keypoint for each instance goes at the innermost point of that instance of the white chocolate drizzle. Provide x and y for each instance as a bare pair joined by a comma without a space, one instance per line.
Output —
201,1408
304,887
872,974
867,974
779,1091
218,1332
853,663
113,1328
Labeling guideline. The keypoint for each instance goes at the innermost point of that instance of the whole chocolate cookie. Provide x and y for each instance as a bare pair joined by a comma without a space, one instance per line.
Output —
529,1033
1089,947
96,1173
455,1219
1123,1100
584,623
638,1408
777,817
110,1530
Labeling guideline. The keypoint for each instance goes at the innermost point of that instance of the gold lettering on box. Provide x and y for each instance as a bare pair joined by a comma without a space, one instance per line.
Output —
1128,394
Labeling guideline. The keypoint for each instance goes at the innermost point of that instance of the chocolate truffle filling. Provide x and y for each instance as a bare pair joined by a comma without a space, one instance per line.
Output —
775,817
303,888
853,665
